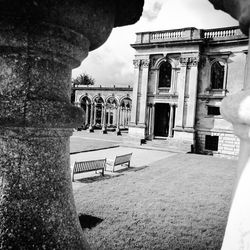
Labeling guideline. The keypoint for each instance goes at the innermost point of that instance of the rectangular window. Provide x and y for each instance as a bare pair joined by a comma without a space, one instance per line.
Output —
211,142
211,110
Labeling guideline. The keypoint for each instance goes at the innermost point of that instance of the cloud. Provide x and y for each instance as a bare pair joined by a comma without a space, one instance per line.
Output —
112,63
150,13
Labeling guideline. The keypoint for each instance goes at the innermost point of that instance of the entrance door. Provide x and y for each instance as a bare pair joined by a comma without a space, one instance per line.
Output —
162,112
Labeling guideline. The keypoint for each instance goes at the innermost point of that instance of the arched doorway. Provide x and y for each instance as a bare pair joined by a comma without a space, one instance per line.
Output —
111,112
98,110
125,112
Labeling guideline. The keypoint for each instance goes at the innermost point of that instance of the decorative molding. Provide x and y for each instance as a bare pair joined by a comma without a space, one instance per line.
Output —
136,63
145,63
189,61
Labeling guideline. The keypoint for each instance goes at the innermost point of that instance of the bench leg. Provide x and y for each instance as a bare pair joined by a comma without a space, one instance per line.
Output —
72,177
129,164
103,172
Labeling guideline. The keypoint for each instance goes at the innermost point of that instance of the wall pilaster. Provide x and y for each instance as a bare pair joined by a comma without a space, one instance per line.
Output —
192,92
136,63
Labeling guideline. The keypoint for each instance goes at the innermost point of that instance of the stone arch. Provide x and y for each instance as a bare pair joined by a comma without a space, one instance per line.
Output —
217,74
164,59
98,103
125,111
85,104
111,109
171,73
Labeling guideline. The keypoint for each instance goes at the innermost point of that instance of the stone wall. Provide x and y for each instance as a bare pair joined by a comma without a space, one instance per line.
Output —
228,143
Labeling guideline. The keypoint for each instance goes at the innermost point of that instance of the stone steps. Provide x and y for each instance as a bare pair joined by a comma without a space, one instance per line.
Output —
169,144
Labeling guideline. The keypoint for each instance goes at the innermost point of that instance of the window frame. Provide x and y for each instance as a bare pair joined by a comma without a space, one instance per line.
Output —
223,89
171,75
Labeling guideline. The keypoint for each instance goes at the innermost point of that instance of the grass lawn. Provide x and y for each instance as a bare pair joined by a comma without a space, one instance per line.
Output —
181,202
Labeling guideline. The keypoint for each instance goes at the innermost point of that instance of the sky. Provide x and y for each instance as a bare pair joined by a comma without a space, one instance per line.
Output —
112,63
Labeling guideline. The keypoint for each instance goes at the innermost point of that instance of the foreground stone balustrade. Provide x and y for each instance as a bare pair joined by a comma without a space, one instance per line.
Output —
40,43
236,109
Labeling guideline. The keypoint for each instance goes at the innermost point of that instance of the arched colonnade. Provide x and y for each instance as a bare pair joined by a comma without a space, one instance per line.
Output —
105,113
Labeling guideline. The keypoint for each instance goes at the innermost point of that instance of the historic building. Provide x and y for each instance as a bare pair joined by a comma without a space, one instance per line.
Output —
106,108
180,79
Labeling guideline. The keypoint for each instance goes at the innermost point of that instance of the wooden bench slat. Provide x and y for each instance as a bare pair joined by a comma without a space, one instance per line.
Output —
121,159
85,166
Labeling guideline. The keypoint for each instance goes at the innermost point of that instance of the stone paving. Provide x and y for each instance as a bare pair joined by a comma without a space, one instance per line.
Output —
98,146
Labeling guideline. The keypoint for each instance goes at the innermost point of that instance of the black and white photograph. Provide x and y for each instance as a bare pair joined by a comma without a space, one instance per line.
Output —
124,125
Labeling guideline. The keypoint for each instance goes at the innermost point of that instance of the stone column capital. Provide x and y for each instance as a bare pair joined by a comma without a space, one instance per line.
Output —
191,61
137,63
145,63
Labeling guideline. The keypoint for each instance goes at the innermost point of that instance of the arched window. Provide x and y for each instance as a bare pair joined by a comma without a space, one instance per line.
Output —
217,75
165,72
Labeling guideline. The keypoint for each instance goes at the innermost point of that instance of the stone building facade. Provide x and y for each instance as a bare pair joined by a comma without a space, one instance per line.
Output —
180,79
106,108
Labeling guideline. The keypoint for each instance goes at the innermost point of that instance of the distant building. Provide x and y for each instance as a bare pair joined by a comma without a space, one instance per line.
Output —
106,108
181,77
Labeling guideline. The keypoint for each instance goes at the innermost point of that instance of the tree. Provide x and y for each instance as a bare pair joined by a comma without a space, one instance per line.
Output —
83,79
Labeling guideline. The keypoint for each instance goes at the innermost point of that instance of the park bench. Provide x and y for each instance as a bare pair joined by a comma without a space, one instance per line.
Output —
120,160
86,166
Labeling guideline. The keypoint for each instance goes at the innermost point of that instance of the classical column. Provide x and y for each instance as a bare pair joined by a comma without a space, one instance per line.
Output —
126,117
144,91
235,108
122,117
94,119
171,120
102,113
150,121
91,129
104,125
118,131
109,115
114,110
181,92
137,64
87,115
153,120
192,93
40,43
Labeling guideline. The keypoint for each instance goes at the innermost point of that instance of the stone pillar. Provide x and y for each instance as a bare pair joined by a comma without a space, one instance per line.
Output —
137,127
102,113
171,121
87,115
104,125
118,131
144,91
153,121
192,93
235,108
91,129
40,43
114,110
135,91
181,92
109,114
122,117
187,88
